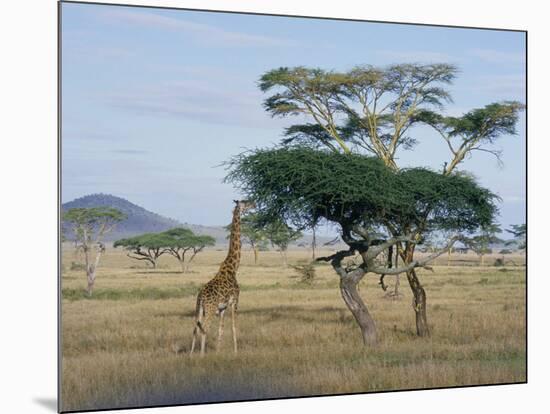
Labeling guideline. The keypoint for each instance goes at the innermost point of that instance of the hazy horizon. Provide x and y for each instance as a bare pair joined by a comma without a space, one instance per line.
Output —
154,101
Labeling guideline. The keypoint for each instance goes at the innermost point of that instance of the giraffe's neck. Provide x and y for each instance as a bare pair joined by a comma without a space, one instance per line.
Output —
231,262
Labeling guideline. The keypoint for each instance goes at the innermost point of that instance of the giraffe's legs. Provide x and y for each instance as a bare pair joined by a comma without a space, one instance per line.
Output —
220,330
194,339
204,326
233,328
197,328
203,343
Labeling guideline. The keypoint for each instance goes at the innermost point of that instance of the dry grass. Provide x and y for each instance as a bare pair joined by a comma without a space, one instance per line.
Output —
294,339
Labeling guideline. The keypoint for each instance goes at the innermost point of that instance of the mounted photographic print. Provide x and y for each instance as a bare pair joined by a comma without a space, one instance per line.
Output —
262,206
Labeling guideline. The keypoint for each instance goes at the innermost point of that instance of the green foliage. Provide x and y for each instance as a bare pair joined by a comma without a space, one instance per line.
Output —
280,234
520,234
302,185
352,96
91,223
373,109
480,243
311,135
485,123
183,238
176,242
299,84
93,215
89,226
147,240
148,246
180,240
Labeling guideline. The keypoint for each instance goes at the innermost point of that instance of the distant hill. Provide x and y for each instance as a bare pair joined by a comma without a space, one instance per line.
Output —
139,220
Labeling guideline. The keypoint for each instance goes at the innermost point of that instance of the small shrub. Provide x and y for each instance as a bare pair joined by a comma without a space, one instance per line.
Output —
499,262
306,273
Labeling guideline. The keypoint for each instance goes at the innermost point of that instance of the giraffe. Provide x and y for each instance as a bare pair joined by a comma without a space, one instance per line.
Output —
222,291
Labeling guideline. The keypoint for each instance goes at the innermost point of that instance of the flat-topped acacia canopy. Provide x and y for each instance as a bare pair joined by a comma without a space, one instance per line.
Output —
302,185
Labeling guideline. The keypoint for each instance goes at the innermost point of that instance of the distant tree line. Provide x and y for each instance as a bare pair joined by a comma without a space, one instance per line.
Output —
90,225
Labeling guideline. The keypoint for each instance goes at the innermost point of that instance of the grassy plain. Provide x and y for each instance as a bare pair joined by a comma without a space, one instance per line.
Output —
127,346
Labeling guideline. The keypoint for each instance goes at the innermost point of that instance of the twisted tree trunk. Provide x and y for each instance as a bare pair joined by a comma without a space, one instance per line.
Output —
350,278
348,289
419,294
419,304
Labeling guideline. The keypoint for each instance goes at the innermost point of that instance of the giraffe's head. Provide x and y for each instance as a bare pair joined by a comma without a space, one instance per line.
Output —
244,205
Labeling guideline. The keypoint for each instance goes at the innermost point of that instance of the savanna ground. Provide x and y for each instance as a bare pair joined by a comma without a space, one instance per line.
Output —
127,346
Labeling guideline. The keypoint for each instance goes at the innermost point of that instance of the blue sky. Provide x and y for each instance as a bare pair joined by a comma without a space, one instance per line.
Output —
155,100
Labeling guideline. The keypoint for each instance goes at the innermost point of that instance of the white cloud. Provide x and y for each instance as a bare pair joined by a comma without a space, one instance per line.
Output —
202,33
196,100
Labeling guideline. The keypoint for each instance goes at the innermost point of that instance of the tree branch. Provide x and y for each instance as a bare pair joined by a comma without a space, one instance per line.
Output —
338,256
139,258
417,263
374,251
496,153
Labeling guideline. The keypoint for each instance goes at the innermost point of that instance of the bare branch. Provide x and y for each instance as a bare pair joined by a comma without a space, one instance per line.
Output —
338,256
417,263
374,251
139,258
496,153
361,231
446,138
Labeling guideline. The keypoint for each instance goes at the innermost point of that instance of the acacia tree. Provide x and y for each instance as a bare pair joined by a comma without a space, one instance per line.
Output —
148,247
303,186
89,226
519,232
252,233
481,242
281,235
179,241
372,110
